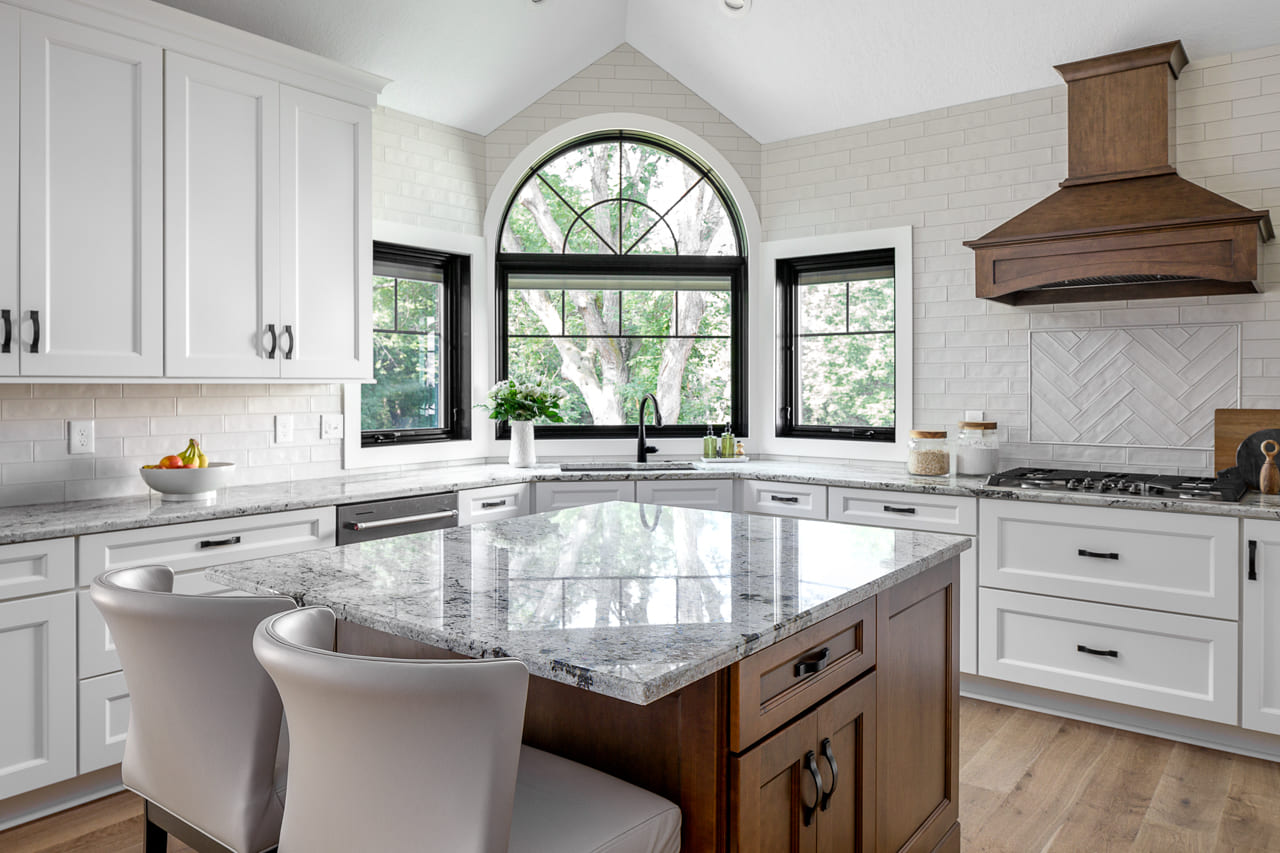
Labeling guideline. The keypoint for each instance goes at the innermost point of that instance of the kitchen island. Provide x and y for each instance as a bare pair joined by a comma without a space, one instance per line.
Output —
792,684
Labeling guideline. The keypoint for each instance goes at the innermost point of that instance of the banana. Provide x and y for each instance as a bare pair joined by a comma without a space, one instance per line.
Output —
189,455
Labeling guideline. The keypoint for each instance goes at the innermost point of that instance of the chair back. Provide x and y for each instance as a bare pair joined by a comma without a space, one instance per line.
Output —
393,754
204,724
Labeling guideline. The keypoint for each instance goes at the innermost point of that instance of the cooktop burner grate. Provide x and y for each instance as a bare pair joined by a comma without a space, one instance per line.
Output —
1122,484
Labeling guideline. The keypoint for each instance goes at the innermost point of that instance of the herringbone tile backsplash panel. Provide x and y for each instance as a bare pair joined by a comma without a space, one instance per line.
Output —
1154,386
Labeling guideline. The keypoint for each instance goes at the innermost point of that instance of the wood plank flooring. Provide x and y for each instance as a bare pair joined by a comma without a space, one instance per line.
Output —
1029,783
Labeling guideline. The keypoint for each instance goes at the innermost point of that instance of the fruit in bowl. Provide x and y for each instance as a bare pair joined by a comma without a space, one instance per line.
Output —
187,476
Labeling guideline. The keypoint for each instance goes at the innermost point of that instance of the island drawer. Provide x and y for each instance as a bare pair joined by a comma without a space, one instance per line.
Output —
1162,661
1176,562
200,544
492,503
798,500
907,510
780,682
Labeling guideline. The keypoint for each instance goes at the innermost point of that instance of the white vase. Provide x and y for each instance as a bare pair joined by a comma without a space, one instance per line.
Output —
522,455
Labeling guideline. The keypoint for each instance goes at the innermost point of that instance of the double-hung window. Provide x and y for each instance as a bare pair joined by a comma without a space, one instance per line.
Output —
837,367
420,361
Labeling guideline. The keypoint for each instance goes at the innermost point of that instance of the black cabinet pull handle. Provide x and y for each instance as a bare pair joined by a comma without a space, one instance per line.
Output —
810,664
8,331
835,773
271,330
1253,556
1101,555
811,764
905,510
1102,653
35,331
492,504
217,543
288,330
780,499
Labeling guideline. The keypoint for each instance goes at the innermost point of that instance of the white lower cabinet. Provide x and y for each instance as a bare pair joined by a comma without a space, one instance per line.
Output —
1162,661
492,503
1260,628
795,500
696,494
37,692
549,495
104,721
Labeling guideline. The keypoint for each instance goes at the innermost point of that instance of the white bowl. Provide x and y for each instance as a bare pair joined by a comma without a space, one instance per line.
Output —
188,484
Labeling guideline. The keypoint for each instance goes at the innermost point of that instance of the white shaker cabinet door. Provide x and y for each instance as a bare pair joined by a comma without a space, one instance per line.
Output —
91,176
222,221
9,311
37,692
326,241
1260,627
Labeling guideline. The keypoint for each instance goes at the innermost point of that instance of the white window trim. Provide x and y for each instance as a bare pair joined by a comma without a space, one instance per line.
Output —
481,443
763,400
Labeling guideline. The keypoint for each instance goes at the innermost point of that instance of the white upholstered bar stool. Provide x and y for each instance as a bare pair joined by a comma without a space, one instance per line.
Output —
204,747
391,754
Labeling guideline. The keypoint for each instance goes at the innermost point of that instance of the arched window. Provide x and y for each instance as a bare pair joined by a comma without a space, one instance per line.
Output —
621,272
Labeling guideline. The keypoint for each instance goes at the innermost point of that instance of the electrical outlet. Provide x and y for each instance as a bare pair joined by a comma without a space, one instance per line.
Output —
79,436
331,426
284,429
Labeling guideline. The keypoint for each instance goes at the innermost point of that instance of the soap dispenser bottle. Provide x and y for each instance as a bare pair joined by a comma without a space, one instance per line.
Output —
709,444
726,443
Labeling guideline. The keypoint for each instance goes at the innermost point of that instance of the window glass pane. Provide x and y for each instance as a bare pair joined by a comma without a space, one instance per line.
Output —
585,175
643,233
406,396
596,233
704,393
537,221
534,312
384,302
701,223
647,312
590,312
716,318
821,308
846,380
871,305
419,304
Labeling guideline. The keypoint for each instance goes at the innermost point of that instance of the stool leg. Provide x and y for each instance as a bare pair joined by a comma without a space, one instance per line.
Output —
155,840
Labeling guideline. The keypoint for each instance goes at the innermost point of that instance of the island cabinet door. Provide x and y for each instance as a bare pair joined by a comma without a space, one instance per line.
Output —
811,785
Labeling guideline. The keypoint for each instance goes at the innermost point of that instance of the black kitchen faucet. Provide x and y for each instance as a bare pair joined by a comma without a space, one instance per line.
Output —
643,448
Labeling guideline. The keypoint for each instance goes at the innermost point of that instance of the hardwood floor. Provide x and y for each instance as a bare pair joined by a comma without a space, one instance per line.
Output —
1029,783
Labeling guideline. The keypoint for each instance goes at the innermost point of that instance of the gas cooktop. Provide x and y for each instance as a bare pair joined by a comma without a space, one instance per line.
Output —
1159,486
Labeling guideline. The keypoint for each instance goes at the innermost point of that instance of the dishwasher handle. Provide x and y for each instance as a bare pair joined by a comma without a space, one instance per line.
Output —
403,519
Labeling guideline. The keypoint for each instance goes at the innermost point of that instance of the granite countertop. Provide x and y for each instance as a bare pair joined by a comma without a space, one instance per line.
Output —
632,601
48,521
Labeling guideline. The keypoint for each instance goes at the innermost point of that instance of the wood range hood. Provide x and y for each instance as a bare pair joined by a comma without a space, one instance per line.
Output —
1124,225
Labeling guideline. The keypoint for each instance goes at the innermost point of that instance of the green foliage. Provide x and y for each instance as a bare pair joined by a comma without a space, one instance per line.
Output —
406,356
510,400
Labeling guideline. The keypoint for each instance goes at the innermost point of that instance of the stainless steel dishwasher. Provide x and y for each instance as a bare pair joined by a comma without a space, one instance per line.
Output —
396,517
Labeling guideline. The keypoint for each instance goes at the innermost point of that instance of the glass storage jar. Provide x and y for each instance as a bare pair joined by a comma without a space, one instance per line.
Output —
977,448
928,454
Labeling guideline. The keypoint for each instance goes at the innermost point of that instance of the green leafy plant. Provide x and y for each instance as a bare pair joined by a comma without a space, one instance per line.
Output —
524,401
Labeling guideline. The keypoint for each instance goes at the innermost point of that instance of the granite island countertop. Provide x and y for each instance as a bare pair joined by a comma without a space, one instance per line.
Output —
52,520
632,601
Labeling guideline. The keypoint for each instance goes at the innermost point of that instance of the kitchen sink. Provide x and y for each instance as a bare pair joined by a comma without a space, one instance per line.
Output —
569,467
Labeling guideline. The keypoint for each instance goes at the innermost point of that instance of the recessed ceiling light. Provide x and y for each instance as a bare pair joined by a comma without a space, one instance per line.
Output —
735,7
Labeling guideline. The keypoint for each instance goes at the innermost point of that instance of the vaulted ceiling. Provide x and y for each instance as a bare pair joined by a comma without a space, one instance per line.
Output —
785,68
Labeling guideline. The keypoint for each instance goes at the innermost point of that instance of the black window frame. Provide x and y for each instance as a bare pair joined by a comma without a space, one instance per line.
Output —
455,350
788,272
733,267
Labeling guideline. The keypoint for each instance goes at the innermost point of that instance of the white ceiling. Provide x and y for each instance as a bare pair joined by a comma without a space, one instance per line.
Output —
784,69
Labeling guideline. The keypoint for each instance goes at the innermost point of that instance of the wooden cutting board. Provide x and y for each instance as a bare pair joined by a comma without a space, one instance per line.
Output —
1232,426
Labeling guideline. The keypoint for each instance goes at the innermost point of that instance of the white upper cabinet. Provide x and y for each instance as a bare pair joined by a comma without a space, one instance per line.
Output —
326,265
90,201
222,237
9,314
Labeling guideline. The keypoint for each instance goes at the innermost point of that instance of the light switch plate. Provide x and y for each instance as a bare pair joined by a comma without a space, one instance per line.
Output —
284,429
331,426
79,437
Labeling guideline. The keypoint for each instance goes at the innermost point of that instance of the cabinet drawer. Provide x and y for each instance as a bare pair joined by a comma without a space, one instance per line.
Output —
104,721
492,503
200,544
908,510
775,684
1157,560
32,568
96,651
552,495
799,500
697,494
1162,661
